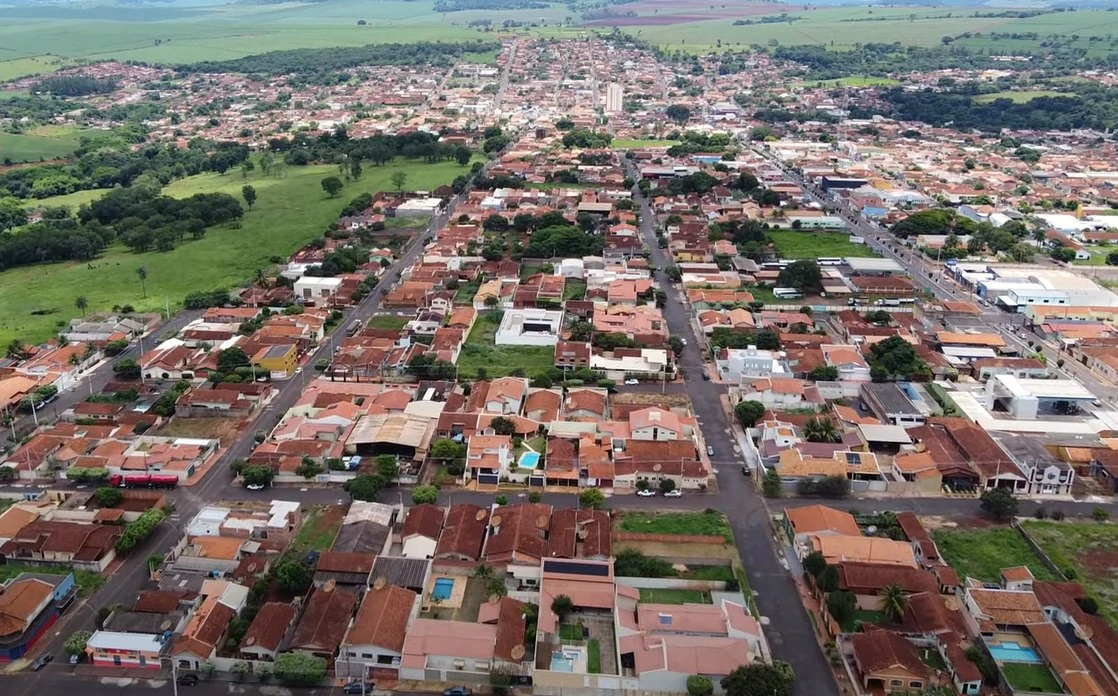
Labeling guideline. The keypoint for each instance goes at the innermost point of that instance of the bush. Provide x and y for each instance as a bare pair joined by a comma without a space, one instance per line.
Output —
1100,514
592,498
699,685
299,669
75,644
425,494
139,530
108,497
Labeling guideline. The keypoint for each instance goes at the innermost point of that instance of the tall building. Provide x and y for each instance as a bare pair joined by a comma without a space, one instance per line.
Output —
614,98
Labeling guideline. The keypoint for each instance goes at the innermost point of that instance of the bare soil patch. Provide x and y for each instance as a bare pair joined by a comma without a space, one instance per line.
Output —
224,429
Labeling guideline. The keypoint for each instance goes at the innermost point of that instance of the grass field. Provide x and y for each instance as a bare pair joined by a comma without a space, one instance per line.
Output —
289,212
35,65
1088,549
683,523
1036,679
319,528
672,596
983,553
42,143
480,352
796,244
852,81
387,321
1020,97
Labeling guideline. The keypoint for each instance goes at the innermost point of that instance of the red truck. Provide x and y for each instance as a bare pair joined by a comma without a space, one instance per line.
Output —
144,481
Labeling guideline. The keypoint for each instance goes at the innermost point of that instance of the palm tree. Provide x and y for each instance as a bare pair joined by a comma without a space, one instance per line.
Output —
142,271
260,278
821,430
82,304
894,601
483,572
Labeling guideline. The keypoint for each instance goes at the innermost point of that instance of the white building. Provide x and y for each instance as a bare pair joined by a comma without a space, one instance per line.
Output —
529,327
736,364
615,98
310,289
651,363
419,207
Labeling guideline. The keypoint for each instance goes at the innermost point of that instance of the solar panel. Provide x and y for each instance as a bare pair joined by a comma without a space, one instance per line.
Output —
575,568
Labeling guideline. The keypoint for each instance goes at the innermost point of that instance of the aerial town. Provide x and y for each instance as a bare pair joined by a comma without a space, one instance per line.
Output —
647,376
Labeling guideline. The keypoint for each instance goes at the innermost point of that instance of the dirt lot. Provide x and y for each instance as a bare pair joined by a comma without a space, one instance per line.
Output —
224,429
670,550
646,399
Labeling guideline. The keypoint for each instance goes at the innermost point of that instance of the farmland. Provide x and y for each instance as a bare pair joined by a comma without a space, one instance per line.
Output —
289,212
34,65
1087,550
40,144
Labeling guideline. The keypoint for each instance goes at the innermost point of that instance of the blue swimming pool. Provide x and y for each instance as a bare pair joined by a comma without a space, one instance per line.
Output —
530,460
561,663
1012,652
443,588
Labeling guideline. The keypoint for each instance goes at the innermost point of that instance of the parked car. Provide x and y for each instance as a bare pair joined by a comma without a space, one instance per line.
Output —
647,493
631,382
674,493
357,687
710,451
255,486
458,691
42,662
188,680
75,659
706,376
745,470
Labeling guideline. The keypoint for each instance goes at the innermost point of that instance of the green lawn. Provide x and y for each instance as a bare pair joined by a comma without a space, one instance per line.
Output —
932,658
714,572
387,321
87,582
671,596
865,617
763,294
851,81
622,144
1087,549
315,534
22,67
983,553
289,212
32,148
480,352
1019,96
594,656
683,523
1032,678
574,290
797,244
570,632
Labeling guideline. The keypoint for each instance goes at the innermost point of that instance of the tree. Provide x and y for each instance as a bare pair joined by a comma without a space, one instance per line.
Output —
75,644
894,601
257,475
592,498
82,303
293,577
332,185
562,606
814,563
821,430
300,669
748,412
425,494
462,155
108,497
999,503
759,679
824,373
772,486
501,500
699,685
803,275
364,487
678,113
535,497
895,357
231,358
142,273
248,192
399,179
842,604
503,426
828,580
483,572
447,450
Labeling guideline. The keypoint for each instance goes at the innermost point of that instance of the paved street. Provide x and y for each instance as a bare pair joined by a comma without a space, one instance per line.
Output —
64,683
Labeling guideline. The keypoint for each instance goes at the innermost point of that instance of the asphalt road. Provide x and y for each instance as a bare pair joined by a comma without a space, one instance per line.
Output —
64,683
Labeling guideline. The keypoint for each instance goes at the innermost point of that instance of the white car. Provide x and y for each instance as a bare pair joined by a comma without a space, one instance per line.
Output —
647,493
631,382
255,486
674,493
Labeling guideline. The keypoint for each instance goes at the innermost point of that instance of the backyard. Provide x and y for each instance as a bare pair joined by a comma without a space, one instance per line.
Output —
674,596
1090,551
710,523
87,582
481,353
289,212
1031,678
797,244
983,553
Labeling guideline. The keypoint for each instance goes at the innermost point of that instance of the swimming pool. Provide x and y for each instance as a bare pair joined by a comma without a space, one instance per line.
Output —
530,460
562,663
1013,652
443,588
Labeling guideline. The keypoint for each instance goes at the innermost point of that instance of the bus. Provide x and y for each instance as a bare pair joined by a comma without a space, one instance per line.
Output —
787,293
828,261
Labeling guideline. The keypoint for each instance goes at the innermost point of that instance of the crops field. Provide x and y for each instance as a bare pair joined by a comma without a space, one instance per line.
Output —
42,143
289,212
34,65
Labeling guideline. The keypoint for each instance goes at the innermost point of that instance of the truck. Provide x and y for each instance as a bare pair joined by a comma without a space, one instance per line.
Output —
144,481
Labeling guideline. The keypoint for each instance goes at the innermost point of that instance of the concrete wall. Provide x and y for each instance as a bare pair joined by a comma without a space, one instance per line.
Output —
672,584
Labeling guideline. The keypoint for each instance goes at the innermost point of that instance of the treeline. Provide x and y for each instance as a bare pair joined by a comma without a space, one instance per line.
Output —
74,85
101,168
466,5
1098,110
143,219
310,62
51,241
306,148
769,19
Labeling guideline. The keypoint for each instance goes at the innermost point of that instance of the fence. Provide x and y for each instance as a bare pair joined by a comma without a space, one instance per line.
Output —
1044,557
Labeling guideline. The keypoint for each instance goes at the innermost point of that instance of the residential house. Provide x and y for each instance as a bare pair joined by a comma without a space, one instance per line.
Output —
267,631
324,621
203,635
888,663
375,640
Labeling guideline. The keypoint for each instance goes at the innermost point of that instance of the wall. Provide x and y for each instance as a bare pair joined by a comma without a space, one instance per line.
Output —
672,584
1044,557
225,664
548,683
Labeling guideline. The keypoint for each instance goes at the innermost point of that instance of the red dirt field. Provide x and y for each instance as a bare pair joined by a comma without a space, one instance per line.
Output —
668,12
1100,564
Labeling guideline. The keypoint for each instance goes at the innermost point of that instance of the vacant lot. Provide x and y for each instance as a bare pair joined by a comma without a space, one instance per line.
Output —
672,596
87,582
319,529
983,553
224,429
1090,550
797,244
684,523
289,212
481,353
387,321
